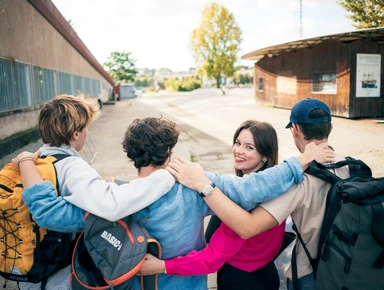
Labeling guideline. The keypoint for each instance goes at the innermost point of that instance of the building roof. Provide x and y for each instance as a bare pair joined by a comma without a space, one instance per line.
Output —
372,34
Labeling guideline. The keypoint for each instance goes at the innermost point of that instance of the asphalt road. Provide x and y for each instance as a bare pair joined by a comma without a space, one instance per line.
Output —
206,120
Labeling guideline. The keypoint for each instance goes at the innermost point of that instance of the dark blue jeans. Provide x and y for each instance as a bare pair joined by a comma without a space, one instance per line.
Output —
305,283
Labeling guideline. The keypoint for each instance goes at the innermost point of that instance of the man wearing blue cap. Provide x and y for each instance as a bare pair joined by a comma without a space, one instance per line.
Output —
310,121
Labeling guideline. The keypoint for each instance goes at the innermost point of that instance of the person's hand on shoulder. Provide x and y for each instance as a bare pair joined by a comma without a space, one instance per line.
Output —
187,173
321,153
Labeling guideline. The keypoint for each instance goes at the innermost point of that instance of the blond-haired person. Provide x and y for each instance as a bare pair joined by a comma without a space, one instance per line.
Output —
63,126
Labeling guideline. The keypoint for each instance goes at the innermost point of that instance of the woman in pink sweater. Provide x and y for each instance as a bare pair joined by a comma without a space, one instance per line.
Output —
241,264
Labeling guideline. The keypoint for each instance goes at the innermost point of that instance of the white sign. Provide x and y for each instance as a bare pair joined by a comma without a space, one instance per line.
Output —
368,68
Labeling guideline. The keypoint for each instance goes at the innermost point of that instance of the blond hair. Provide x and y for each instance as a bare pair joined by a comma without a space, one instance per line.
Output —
65,114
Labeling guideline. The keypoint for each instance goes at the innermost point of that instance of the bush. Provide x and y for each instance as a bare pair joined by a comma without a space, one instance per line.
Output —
186,84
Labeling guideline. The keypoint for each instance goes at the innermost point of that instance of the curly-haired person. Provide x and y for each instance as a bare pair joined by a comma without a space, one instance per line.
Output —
149,141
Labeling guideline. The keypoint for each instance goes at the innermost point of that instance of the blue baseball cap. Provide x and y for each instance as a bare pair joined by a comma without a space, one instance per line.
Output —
301,110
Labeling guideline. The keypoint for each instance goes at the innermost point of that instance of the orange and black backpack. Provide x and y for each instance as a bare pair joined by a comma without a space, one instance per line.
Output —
29,253
109,254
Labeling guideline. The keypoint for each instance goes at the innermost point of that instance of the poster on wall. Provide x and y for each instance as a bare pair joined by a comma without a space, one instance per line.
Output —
368,68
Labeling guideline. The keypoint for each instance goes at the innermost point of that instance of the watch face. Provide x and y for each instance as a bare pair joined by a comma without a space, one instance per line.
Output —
207,190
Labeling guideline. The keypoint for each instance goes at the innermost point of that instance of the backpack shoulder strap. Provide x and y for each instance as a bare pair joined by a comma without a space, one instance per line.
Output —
356,168
154,248
321,171
295,278
57,158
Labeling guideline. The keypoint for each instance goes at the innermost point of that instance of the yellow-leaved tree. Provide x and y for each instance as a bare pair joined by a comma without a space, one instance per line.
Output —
364,13
216,42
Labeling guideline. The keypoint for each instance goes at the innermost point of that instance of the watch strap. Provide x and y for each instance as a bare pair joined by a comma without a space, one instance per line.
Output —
213,187
201,194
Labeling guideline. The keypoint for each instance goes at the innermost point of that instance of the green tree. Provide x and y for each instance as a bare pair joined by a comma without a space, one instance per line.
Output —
121,67
186,84
144,83
365,13
72,24
216,42
137,83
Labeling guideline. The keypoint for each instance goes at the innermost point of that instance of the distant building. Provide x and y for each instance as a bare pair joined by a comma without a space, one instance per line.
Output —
344,70
41,56
126,91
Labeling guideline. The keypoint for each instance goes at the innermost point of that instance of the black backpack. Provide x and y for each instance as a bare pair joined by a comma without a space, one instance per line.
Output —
351,245
108,254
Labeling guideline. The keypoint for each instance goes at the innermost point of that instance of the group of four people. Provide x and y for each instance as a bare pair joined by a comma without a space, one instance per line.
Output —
251,205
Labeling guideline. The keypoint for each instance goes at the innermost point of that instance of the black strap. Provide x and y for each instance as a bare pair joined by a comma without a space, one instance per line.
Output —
311,260
295,278
342,236
356,168
319,170
36,230
43,284
352,169
378,233
58,158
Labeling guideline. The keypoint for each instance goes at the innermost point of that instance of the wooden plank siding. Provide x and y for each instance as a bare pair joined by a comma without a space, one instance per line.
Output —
287,78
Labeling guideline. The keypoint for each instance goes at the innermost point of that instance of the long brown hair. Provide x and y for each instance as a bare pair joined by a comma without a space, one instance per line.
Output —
266,143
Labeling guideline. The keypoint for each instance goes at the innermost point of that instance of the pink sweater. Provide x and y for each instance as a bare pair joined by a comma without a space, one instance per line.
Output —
227,246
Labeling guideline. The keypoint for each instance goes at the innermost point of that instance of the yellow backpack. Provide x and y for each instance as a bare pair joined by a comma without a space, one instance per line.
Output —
28,253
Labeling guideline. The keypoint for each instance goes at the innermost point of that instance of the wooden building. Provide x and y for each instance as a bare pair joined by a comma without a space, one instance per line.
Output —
343,70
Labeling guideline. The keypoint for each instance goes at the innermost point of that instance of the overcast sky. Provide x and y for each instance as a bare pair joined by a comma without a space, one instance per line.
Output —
158,32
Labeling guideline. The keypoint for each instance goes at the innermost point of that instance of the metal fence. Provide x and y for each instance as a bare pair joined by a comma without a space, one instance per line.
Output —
24,86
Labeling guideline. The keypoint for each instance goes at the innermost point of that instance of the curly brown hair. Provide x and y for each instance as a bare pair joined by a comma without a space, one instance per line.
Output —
150,141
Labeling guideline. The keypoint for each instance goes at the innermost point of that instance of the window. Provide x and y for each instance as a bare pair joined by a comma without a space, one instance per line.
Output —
65,84
95,87
17,92
15,86
44,84
261,84
74,84
87,86
324,83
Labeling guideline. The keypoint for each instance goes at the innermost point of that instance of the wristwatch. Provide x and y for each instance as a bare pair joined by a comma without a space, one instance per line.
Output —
207,190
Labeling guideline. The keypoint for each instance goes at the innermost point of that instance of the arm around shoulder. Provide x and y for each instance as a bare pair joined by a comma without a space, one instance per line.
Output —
51,211
114,202
250,190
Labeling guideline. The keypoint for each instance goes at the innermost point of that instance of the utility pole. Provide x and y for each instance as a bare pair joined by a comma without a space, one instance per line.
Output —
299,17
